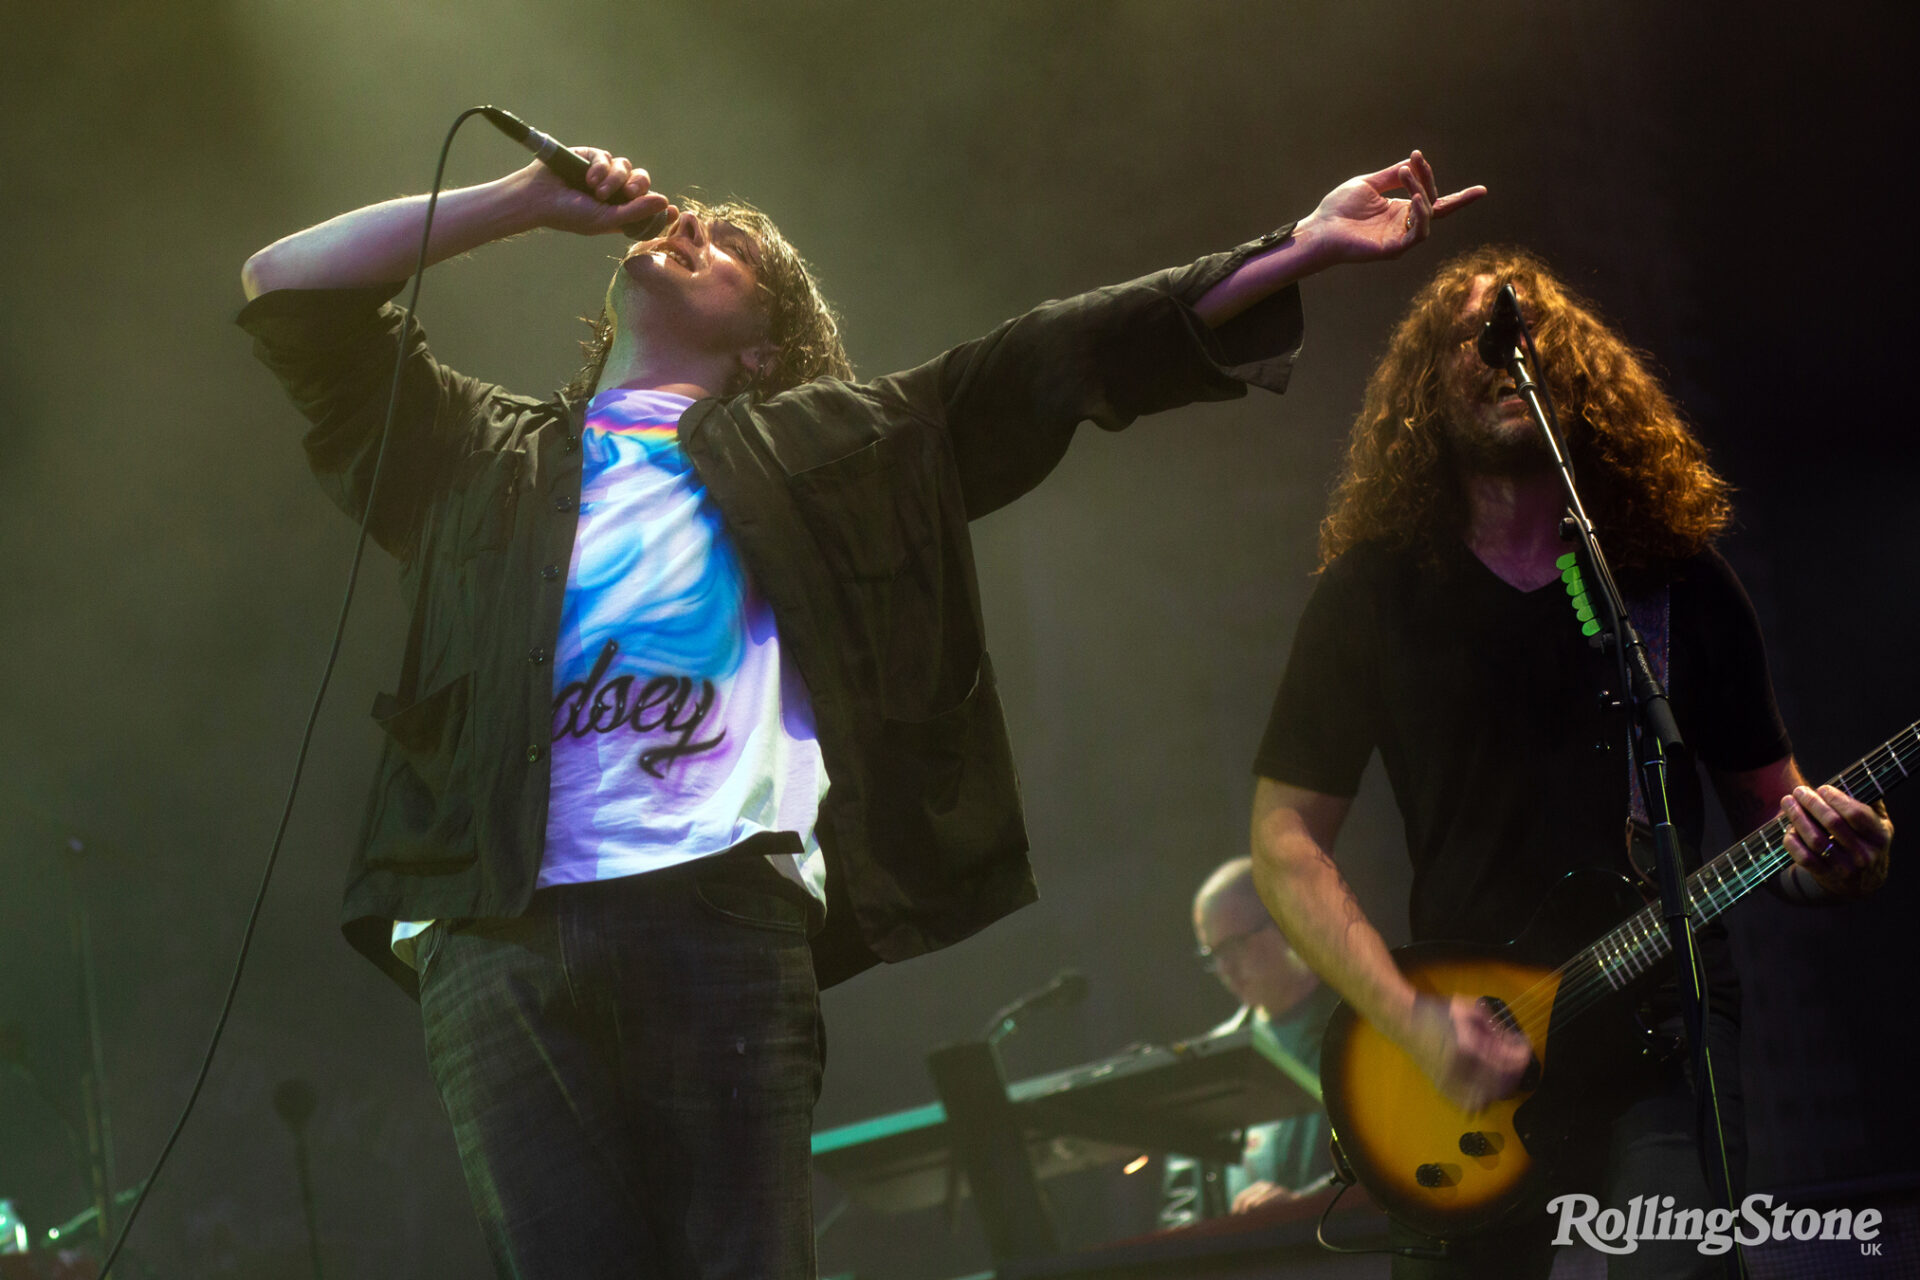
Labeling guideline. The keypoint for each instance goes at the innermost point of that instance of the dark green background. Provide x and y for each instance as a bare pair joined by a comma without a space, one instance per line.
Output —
1734,187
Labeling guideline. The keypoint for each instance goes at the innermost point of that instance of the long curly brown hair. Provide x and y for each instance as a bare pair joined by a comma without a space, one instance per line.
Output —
800,321
1643,475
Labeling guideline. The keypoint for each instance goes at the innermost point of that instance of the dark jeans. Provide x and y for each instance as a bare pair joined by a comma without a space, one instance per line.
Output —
631,1070
1649,1149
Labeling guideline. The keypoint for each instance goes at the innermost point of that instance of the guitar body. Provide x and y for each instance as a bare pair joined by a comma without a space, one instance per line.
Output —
1447,1172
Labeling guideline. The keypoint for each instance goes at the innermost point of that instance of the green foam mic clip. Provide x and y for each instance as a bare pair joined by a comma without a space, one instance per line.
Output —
1569,566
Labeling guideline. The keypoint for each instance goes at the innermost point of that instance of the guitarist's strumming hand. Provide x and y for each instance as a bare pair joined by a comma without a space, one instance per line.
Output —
1470,1058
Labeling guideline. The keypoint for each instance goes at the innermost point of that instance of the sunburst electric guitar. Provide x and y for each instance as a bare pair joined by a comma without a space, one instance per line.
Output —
1449,1172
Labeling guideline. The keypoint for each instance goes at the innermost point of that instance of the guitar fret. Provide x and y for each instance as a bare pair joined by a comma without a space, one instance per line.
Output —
1730,895
1649,941
1636,957
1607,964
1611,971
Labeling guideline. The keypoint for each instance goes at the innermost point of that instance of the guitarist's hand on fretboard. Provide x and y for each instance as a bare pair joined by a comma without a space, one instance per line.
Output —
1842,843
1469,1057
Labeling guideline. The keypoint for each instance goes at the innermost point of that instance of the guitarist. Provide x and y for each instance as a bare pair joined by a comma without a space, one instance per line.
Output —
1438,634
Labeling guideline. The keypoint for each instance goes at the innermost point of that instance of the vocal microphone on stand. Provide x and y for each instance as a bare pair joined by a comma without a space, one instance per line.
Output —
1069,987
1499,336
564,161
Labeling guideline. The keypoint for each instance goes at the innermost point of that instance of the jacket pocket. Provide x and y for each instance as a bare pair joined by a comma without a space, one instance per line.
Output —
484,491
869,510
891,528
424,817
428,731
946,799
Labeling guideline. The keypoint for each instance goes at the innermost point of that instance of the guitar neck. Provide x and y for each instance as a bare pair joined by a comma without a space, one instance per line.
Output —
1640,942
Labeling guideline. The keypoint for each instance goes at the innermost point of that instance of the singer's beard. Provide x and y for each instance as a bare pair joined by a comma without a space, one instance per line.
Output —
1511,450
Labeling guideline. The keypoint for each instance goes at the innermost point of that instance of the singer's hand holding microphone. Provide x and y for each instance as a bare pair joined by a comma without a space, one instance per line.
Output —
616,196
588,191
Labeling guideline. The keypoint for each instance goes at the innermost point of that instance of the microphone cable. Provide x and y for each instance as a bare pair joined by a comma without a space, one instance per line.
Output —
313,714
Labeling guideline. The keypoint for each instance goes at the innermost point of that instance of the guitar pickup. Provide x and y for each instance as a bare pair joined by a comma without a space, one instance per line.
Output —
1481,1143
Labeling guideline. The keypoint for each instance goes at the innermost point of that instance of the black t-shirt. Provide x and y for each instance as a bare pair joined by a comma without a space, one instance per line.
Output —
1486,706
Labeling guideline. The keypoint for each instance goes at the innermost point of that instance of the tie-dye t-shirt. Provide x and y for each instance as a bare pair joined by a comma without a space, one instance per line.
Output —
680,728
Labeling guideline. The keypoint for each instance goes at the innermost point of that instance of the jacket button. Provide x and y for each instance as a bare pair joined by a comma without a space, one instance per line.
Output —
550,571
573,442
536,655
534,753
563,503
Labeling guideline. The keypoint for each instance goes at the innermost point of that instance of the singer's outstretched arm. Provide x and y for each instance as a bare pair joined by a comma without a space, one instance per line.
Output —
1355,222
379,244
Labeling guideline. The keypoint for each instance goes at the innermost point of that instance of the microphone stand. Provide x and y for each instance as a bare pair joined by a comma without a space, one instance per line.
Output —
1068,987
93,1090
1505,343
294,1102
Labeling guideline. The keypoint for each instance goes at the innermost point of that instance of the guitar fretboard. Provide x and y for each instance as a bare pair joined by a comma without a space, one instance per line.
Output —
1640,942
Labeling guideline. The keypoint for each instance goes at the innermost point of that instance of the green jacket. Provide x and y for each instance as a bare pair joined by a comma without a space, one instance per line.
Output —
849,505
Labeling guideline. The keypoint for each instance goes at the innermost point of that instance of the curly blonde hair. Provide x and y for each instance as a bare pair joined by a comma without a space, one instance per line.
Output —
802,325
1644,476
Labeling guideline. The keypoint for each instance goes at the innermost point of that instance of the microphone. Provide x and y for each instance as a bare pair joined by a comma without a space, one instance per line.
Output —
1069,987
1500,335
571,168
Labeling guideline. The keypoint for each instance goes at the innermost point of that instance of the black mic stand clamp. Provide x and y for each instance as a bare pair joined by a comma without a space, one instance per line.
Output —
1506,344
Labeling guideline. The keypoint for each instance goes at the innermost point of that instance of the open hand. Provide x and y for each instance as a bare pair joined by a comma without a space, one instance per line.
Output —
1359,221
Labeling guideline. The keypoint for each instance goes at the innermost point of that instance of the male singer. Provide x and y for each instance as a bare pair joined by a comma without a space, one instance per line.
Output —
695,661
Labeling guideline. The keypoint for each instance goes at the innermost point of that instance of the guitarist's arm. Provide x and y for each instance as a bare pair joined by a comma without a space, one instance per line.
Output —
1840,846
1467,1057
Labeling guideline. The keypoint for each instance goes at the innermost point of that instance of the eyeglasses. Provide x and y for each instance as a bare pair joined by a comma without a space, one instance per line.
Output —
1211,957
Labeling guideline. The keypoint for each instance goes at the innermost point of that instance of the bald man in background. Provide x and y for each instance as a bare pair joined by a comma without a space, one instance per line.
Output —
1280,997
